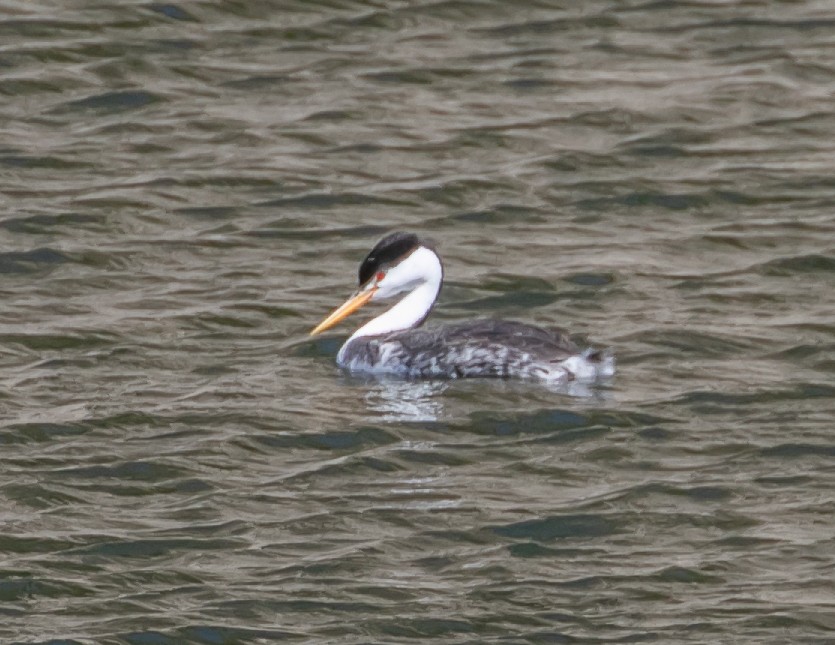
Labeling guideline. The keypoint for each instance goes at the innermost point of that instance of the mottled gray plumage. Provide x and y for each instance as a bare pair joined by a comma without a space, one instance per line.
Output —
480,348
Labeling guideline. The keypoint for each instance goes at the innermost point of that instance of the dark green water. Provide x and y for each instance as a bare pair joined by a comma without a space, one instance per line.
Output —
188,188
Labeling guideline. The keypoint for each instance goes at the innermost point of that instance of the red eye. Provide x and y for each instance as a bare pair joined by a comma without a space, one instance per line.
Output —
380,275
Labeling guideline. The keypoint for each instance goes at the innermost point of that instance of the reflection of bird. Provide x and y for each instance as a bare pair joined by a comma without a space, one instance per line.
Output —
391,344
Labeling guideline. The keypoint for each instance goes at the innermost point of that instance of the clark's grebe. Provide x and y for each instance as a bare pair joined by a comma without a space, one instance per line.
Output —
392,344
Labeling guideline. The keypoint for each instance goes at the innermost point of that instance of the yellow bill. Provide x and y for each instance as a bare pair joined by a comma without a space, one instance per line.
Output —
348,307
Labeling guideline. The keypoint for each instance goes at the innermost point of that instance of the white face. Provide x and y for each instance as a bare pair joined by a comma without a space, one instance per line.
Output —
421,266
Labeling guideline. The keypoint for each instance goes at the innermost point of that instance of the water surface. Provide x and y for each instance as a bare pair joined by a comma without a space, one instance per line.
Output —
188,188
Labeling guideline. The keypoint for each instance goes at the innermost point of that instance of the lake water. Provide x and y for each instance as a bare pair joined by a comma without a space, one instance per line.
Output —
188,188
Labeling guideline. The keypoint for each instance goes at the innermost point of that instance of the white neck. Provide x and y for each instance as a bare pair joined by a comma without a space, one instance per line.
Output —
416,305
404,315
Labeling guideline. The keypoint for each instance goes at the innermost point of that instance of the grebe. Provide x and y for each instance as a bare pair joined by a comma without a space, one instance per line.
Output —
392,344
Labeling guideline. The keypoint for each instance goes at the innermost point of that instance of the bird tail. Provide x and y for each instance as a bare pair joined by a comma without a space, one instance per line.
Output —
603,360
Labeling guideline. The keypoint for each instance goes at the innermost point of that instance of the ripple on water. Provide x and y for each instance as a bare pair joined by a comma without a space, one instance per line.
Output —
111,102
34,261
561,527
22,588
47,224
41,432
